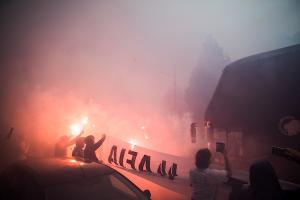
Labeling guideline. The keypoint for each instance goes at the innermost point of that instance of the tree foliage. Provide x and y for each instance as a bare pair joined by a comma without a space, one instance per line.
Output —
204,77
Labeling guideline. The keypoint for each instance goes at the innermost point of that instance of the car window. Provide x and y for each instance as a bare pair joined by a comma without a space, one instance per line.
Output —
97,188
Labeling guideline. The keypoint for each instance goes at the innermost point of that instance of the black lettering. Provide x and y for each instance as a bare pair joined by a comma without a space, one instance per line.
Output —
145,160
132,161
121,159
113,155
172,171
162,168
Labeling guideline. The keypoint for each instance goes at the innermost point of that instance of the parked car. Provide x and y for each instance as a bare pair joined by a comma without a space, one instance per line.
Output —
68,179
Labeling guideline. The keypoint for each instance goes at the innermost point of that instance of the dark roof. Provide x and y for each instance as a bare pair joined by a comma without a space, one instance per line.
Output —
256,91
264,55
48,171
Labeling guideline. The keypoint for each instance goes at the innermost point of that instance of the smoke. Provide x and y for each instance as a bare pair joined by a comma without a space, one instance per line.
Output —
205,77
65,69
125,64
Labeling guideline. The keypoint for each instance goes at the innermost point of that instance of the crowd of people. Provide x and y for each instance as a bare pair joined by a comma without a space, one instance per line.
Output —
263,181
85,147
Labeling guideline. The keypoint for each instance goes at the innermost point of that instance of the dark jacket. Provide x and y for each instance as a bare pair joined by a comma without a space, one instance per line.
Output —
264,183
77,152
90,150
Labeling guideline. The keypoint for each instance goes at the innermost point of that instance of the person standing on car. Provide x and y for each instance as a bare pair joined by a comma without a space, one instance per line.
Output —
205,180
91,147
78,149
61,146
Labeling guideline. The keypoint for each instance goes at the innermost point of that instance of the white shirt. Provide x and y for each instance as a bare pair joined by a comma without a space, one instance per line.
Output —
205,182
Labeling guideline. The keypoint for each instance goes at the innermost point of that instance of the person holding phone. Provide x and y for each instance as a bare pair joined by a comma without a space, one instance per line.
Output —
205,180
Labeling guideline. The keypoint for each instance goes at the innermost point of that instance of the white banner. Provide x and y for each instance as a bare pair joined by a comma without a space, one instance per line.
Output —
130,156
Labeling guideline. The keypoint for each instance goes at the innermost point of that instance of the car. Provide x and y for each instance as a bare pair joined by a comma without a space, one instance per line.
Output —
68,179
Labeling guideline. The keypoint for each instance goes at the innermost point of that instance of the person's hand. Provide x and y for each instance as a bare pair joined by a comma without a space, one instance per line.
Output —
103,136
293,154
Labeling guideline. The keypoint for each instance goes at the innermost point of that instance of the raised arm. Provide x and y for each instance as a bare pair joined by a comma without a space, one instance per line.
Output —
100,142
73,141
293,154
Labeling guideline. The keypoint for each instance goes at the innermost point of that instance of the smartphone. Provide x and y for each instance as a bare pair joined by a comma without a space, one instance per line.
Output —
220,146
279,151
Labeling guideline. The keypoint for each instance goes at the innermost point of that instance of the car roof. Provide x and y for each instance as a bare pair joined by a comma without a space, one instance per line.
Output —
52,171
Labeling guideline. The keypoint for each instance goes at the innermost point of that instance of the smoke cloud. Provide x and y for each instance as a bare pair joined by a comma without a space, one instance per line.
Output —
125,64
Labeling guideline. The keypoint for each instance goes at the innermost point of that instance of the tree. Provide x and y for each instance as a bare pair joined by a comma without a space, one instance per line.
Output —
204,78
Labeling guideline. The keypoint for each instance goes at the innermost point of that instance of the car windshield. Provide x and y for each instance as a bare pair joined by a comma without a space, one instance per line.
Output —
111,186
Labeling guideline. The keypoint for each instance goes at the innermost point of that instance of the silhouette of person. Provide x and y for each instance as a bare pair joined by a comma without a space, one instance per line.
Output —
91,147
78,149
61,146
264,183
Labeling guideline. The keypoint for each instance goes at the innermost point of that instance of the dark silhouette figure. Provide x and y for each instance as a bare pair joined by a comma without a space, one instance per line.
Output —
62,145
91,147
264,183
78,149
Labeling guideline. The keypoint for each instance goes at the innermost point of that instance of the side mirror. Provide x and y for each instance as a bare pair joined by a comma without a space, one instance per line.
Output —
147,193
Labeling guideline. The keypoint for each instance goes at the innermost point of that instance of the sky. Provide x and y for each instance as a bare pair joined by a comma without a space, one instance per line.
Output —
118,61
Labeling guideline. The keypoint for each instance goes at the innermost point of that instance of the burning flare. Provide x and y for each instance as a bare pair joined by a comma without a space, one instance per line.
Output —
76,128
